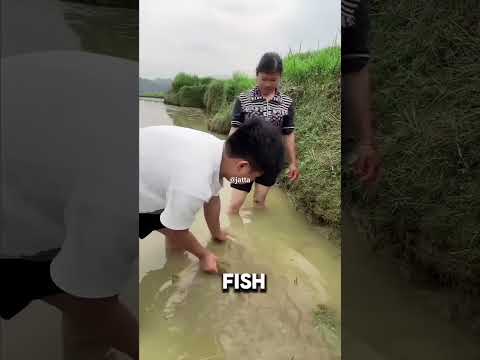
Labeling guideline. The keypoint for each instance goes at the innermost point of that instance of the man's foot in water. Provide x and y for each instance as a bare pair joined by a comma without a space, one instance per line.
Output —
208,263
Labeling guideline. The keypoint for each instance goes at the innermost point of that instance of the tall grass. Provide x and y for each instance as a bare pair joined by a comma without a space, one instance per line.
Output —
214,97
192,96
428,102
239,83
188,90
300,67
220,97
313,80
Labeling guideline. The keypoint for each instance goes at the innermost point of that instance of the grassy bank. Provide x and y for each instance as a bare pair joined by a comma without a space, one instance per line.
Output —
159,95
188,90
427,96
313,81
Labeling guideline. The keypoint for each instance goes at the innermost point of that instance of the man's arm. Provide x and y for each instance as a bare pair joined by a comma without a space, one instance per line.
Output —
184,239
211,211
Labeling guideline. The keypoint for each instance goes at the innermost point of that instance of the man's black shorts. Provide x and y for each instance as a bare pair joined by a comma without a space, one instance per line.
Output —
265,180
22,281
148,222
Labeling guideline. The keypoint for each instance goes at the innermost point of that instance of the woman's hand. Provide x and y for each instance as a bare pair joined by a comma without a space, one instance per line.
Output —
368,165
293,172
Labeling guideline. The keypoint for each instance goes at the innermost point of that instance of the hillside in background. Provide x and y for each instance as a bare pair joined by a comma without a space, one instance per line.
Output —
154,86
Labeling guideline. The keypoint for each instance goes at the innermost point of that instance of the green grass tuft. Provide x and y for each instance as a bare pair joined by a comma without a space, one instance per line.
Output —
302,67
192,96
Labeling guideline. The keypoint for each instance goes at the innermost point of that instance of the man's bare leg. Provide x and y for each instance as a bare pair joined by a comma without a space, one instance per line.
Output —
186,240
108,322
79,342
172,247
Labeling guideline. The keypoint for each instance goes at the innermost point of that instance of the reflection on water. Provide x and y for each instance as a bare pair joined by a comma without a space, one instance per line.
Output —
185,315
380,299
104,30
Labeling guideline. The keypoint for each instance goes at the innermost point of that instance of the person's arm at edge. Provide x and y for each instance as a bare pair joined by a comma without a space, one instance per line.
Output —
237,117
288,131
360,99
292,156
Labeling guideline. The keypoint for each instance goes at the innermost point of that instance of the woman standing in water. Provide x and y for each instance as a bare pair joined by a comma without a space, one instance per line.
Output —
266,101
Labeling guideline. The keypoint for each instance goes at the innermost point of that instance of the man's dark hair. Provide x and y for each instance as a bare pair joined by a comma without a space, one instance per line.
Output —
258,142
270,63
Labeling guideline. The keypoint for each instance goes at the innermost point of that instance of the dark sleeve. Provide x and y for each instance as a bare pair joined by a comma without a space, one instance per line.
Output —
288,125
238,116
355,30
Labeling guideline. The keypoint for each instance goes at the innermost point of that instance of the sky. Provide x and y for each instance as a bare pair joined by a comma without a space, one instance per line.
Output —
219,37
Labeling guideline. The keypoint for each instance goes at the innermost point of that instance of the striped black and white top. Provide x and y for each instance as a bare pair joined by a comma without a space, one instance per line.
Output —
355,28
349,7
279,111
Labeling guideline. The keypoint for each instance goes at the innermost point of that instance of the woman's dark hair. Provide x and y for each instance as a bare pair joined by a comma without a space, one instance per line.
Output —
258,142
270,63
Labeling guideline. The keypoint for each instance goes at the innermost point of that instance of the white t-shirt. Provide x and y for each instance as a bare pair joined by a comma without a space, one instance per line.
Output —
66,166
179,171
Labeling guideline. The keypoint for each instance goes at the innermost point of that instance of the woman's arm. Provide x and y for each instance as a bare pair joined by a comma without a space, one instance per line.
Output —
289,141
293,172
238,117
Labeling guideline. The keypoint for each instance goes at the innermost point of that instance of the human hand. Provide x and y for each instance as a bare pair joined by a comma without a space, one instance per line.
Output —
222,236
367,164
293,172
208,262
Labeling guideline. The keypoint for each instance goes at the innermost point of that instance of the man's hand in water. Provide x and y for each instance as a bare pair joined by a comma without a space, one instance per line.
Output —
293,172
222,235
208,262
367,165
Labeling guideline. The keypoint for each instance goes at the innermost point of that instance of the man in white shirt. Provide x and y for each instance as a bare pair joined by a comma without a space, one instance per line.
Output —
181,171
68,188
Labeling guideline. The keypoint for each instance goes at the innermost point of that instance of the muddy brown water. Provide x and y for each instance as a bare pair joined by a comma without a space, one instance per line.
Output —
185,315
